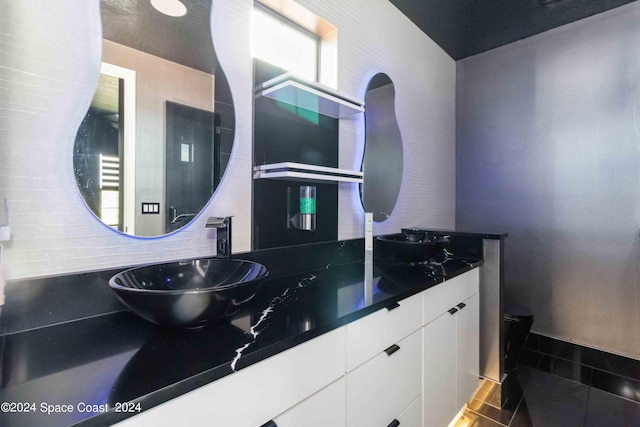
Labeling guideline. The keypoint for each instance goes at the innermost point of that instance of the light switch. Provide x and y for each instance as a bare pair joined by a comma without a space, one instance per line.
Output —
5,233
150,208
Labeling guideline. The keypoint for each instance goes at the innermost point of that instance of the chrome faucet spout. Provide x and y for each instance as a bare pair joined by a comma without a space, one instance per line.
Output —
182,217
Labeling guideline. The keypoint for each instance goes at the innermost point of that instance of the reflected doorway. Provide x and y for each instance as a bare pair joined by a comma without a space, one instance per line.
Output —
103,169
192,162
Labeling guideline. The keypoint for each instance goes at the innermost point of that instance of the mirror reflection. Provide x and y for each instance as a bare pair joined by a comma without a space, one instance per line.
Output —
157,137
383,158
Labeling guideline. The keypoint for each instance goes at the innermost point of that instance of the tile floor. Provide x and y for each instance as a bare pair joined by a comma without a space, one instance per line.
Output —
561,384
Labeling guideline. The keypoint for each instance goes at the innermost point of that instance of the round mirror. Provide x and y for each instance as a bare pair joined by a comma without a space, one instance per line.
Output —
383,159
157,138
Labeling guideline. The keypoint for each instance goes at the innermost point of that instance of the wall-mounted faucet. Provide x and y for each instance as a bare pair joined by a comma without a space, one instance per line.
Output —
223,235
174,217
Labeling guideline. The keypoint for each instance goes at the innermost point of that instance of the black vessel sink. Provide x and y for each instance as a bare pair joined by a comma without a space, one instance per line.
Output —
413,247
188,294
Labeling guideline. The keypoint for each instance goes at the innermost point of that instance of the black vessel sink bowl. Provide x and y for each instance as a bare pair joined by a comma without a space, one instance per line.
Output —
188,294
413,247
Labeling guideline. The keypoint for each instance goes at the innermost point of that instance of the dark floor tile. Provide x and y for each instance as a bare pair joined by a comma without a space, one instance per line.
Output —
616,384
616,364
487,400
522,418
599,417
512,392
530,358
497,402
470,418
559,402
555,385
565,369
501,416
490,393
566,350
557,390
606,409
613,402
524,374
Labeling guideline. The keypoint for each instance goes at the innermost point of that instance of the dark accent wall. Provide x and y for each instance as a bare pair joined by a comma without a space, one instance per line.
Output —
284,133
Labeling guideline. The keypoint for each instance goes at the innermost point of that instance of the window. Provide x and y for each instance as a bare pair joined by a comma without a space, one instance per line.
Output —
282,43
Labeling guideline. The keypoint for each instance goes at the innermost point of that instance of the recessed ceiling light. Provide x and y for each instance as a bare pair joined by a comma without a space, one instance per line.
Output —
170,7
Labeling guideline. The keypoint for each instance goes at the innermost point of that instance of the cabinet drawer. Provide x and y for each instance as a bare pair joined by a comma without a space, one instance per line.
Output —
442,297
323,409
412,416
254,395
379,390
370,335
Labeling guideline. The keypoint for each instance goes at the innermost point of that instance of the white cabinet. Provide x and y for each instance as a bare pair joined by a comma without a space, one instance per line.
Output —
384,361
369,336
256,394
451,348
325,408
468,350
412,416
440,298
439,371
382,388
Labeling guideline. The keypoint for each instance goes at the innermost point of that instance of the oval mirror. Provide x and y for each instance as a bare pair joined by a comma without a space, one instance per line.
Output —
157,138
383,159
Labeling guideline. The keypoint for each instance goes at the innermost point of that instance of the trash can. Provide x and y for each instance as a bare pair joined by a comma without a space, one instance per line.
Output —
517,324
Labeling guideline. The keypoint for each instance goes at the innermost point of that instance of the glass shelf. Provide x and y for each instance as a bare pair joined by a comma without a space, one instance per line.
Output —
306,173
311,96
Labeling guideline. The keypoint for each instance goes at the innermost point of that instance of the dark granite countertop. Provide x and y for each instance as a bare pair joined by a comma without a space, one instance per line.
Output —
95,363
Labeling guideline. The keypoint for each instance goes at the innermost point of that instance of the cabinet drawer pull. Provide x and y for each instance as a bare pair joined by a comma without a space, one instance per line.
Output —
393,306
452,310
394,423
392,349
461,305
269,424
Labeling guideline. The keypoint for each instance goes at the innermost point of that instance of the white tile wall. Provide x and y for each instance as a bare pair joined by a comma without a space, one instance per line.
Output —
49,62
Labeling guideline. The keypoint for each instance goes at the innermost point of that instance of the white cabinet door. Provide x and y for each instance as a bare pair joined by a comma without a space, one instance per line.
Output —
451,347
368,336
442,297
412,416
468,349
323,409
379,390
439,371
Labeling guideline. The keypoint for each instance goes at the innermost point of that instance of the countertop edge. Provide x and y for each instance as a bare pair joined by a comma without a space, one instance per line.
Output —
461,233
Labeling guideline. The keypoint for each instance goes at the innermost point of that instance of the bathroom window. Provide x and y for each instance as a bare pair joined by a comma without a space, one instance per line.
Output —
281,42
